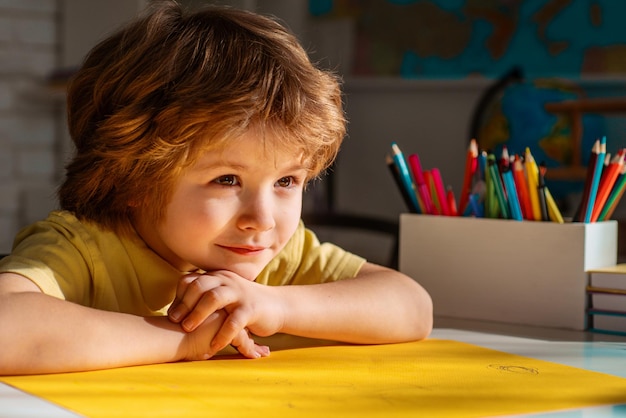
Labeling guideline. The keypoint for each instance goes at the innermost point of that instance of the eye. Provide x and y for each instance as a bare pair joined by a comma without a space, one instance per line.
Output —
286,181
227,180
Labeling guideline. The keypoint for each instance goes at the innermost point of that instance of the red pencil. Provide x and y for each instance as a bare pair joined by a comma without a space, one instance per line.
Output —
471,160
451,202
606,184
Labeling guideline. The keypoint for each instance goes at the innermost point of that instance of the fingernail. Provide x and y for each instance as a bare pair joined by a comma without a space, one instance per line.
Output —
188,325
175,315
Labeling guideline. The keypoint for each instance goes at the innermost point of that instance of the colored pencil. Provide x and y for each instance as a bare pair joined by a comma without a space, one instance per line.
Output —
477,208
606,184
505,159
396,177
432,190
532,178
481,170
615,196
511,194
522,189
405,176
452,207
420,183
471,160
554,213
541,192
499,189
553,210
441,191
593,156
593,190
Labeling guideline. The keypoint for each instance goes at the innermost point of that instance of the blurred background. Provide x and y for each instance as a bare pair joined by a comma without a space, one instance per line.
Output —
427,74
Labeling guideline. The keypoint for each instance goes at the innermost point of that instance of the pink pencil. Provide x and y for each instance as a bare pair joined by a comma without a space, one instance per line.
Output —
441,191
420,183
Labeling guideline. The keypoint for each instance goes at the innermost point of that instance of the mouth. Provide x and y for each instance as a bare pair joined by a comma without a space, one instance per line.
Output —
244,250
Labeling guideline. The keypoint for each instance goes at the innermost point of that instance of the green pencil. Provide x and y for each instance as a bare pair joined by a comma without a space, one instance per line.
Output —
499,188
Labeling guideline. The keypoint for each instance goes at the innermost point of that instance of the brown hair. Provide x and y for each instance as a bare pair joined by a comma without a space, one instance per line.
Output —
152,96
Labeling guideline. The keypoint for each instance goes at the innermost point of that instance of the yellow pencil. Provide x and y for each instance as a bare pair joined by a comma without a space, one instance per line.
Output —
553,210
532,176
554,213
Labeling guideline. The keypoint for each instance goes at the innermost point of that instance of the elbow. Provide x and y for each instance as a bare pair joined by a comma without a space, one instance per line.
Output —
423,315
9,360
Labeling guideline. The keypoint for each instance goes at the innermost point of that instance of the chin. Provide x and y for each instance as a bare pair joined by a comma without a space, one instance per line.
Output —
248,272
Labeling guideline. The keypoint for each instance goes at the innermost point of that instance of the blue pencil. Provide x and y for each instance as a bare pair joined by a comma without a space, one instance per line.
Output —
593,190
511,193
405,176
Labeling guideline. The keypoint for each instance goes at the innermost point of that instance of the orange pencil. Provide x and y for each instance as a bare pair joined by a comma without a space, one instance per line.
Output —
470,167
606,185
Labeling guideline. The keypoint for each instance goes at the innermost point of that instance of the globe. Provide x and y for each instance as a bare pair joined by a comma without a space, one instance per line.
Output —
516,118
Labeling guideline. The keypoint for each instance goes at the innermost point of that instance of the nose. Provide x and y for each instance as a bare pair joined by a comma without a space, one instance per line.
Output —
257,212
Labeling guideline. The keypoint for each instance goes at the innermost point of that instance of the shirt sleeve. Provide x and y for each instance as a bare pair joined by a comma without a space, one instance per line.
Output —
53,257
305,260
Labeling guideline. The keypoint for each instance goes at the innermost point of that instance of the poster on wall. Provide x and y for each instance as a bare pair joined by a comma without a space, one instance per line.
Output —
461,38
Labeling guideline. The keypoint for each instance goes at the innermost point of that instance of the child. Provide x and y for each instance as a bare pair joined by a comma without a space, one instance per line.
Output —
180,228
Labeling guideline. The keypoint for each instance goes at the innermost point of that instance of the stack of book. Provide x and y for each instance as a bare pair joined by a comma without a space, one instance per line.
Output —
606,311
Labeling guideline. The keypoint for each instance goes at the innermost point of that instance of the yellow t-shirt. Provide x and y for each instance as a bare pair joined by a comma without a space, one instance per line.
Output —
83,263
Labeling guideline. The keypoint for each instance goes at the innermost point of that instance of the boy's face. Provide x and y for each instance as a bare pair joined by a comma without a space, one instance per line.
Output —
234,209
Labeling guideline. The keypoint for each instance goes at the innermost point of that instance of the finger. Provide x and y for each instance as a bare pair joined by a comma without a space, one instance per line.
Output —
209,302
245,345
176,312
231,329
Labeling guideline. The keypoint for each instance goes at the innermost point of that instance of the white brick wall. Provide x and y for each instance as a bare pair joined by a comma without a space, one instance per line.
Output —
30,114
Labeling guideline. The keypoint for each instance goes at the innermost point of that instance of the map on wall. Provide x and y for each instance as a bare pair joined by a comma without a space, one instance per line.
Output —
461,38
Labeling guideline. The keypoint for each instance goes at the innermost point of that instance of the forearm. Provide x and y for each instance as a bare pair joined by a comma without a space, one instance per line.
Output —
380,306
41,334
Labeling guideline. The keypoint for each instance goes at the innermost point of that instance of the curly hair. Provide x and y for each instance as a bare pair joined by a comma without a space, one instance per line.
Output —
172,84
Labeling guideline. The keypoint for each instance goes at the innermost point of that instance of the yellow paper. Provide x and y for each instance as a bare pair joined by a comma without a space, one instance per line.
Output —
432,378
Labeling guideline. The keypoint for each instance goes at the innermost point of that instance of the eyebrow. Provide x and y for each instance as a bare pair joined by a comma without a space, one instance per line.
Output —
225,164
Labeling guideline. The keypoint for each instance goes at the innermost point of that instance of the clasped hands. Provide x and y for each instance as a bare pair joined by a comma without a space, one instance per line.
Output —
221,308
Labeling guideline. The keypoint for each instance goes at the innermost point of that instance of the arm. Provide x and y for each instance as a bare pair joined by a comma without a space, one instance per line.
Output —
379,305
43,334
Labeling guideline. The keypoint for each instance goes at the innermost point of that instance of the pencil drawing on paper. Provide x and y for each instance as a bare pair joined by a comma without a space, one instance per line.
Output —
514,369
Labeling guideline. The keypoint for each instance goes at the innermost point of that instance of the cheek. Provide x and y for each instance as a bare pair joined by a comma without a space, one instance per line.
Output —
289,219
189,219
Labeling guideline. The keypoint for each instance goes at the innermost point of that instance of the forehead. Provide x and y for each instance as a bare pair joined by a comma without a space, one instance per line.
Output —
251,149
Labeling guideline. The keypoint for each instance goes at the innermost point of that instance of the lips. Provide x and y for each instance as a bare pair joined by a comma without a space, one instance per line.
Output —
244,250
